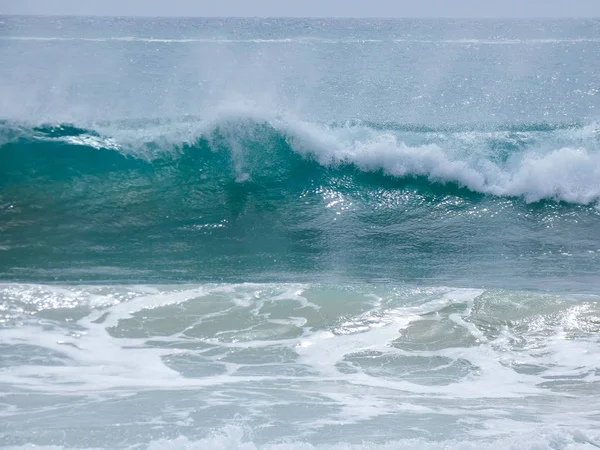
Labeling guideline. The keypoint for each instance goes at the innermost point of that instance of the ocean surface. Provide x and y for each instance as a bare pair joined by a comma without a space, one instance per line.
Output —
299,234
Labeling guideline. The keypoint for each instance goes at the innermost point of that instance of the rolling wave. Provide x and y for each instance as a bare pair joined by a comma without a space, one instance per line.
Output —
533,161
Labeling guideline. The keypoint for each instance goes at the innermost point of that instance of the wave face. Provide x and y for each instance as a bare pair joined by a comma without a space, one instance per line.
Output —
241,196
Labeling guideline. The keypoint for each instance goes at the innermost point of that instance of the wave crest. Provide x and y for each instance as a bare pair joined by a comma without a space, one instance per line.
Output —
565,174
560,163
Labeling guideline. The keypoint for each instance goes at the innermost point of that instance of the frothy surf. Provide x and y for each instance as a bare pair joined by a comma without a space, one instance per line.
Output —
346,356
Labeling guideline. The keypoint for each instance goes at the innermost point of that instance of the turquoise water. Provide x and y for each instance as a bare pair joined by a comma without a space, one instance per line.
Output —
298,234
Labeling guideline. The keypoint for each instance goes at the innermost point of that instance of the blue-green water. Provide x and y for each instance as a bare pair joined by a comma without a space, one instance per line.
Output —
273,233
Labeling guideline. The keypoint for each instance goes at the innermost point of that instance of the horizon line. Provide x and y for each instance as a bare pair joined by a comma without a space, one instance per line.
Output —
151,16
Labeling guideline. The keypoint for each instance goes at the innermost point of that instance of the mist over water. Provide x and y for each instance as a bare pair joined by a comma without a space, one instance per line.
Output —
299,234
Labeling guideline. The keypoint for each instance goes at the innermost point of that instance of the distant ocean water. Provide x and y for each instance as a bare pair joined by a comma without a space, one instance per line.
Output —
299,234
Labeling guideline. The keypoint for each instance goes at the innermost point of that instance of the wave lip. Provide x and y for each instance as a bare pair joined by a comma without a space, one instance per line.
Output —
569,174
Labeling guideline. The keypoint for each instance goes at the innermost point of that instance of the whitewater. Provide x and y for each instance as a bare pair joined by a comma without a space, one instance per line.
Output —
293,234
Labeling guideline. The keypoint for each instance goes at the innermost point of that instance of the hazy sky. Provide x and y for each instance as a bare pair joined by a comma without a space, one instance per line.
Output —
309,8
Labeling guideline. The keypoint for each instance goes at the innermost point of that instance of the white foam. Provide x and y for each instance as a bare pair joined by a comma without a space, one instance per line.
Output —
92,141
567,174
233,438
236,438
486,404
